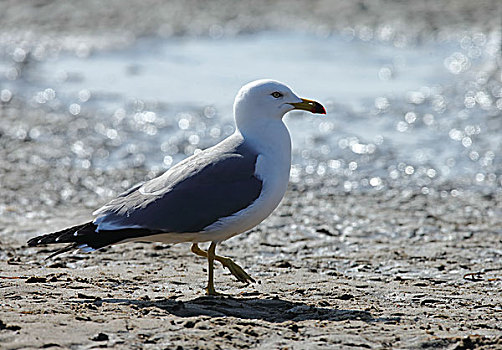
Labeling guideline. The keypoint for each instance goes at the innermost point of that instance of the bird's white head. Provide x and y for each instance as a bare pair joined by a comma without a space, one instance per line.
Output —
269,99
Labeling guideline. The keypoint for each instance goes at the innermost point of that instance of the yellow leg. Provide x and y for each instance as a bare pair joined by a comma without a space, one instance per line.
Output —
197,251
210,259
235,269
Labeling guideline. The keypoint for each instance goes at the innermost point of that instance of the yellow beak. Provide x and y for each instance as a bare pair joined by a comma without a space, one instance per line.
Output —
310,106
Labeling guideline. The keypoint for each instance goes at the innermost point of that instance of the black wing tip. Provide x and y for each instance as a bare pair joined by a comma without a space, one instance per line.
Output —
44,239
35,241
63,236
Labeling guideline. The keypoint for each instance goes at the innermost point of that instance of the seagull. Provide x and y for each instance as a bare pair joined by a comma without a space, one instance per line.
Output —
210,196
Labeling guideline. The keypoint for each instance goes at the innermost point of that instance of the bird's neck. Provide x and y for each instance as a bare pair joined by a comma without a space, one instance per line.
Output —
267,136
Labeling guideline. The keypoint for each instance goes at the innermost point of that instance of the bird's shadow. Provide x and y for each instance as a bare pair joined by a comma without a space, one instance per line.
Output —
274,310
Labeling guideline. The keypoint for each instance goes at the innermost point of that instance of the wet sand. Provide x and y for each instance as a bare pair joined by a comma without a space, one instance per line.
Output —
385,270
368,269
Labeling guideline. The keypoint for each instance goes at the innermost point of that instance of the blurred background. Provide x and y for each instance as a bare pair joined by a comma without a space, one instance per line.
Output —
95,96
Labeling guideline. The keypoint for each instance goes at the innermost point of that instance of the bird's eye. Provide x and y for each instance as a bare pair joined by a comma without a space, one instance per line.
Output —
276,94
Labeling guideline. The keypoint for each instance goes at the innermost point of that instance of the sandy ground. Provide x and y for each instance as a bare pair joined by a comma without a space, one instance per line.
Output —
379,269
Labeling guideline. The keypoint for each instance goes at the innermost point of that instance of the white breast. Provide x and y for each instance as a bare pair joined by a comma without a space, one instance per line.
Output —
272,167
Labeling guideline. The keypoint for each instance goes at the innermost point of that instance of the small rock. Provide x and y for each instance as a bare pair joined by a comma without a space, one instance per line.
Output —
189,324
345,296
283,264
100,337
8,327
85,296
34,279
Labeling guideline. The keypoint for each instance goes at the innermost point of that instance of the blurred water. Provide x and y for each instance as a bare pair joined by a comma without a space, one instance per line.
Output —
206,71
423,115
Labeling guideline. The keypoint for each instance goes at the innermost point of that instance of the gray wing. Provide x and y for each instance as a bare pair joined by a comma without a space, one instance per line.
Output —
192,195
